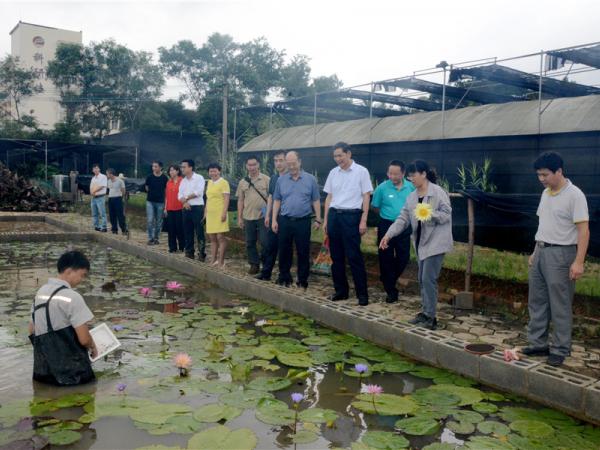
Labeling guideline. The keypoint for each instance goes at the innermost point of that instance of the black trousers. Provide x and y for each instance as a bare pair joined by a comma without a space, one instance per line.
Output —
294,231
175,230
394,259
344,243
117,216
193,228
270,254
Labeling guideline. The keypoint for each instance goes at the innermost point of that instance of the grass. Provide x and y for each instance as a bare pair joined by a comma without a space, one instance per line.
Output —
497,264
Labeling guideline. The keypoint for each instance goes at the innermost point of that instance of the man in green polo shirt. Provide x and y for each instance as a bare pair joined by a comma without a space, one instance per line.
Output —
561,243
388,201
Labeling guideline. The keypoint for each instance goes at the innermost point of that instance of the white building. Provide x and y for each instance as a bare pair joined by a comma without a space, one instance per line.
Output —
35,45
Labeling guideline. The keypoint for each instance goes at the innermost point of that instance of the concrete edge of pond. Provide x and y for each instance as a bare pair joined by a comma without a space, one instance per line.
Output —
565,390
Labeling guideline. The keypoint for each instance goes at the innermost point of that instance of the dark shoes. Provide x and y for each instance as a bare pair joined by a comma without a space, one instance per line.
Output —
302,285
284,283
103,230
535,351
151,242
189,255
363,301
202,258
115,232
338,296
254,269
555,360
423,320
263,277
391,298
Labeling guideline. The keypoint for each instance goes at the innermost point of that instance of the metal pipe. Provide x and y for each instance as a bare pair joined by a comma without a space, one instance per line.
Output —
315,122
135,167
235,129
46,159
540,92
371,101
471,219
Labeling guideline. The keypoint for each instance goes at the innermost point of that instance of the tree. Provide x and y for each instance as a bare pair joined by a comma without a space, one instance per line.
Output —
17,82
104,82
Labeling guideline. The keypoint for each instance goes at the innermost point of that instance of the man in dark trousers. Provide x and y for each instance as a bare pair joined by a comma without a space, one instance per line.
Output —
388,200
272,241
116,191
191,195
295,199
557,261
348,189
156,184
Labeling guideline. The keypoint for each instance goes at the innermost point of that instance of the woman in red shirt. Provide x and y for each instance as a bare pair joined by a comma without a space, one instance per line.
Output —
173,208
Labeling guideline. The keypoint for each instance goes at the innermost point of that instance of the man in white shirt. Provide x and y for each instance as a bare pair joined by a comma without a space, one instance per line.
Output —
98,187
348,189
557,261
191,194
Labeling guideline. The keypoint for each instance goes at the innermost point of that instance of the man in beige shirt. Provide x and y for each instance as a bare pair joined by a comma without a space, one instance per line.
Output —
252,194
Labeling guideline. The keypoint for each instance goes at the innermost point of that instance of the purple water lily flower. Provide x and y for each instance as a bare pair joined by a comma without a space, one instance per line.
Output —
361,368
297,397
118,327
121,387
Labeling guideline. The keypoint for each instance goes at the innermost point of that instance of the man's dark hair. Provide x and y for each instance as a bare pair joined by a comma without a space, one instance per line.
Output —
398,163
110,170
73,259
160,164
549,160
248,158
214,165
279,152
189,162
345,147
96,165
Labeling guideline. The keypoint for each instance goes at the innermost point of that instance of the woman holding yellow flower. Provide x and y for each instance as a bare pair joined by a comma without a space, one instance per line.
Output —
428,211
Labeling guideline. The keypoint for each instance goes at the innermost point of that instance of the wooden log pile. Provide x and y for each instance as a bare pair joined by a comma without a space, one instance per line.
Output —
20,194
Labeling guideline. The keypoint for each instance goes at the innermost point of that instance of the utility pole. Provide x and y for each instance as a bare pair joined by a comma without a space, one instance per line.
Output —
224,131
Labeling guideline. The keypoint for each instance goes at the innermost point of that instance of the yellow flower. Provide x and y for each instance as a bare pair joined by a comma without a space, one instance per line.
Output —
423,212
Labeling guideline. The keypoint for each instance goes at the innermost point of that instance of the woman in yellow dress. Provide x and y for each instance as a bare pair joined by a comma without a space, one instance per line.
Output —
215,214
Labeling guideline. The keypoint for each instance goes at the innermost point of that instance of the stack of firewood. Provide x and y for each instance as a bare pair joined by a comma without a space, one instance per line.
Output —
20,194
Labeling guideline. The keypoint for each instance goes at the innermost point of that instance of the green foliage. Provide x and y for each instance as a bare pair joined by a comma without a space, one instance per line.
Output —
476,177
17,82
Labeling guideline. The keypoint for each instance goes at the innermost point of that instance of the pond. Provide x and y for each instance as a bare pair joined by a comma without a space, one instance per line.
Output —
247,359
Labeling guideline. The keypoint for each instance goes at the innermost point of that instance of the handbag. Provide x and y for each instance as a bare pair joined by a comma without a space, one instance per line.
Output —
322,263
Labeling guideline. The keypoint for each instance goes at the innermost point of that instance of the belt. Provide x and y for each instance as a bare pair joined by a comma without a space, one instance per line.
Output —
346,211
296,219
546,244
99,196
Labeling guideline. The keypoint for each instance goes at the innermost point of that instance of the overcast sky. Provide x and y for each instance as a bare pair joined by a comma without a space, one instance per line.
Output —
359,40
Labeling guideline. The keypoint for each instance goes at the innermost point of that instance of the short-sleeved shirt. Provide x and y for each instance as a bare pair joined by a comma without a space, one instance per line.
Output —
156,188
67,307
347,187
115,187
172,202
296,196
99,180
273,183
254,204
559,213
390,200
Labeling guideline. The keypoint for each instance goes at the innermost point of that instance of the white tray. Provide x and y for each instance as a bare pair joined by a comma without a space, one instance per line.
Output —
105,341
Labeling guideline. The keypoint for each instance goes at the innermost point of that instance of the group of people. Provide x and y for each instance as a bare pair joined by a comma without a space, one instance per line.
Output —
279,213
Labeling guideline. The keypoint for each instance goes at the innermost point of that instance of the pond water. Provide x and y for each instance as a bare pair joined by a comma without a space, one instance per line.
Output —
247,360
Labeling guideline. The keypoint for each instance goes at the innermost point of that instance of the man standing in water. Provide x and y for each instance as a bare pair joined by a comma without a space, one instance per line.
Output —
58,330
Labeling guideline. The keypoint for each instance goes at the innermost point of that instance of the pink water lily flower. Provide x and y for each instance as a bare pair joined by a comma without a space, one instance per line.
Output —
146,291
183,362
373,389
173,285
511,354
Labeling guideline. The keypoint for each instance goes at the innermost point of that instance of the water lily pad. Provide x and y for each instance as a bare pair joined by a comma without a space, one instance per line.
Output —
487,443
461,427
244,399
368,350
435,411
484,407
426,396
513,413
274,412
468,395
494,396
222,438
158,447
63,437
493,427
325,356
264,365
418,426
440,446
394,366
385,404
158,413
267,352
429,372
269,384
463,415
215,386
384,440
304,437
295,359
276,329
316,340
215,412
317,415
532,428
